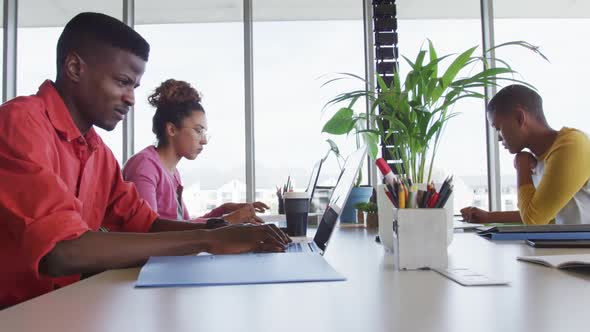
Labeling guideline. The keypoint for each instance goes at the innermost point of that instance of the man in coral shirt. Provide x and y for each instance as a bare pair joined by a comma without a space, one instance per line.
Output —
60,183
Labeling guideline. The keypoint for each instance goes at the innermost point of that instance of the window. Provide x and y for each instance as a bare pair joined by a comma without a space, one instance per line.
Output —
37,41
203,45
560,82
462,150
296,50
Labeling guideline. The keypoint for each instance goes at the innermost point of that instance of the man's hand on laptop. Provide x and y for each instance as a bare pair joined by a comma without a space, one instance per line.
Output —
235,239
231,207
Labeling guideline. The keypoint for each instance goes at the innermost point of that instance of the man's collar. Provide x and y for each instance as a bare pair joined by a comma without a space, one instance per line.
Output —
60,117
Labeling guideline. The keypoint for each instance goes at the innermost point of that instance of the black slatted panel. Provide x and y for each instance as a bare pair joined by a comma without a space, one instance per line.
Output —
386,53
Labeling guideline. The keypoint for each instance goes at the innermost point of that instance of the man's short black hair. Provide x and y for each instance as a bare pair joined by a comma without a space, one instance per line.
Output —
87,32
516,95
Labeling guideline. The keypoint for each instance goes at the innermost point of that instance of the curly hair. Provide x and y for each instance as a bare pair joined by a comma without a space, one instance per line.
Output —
174,101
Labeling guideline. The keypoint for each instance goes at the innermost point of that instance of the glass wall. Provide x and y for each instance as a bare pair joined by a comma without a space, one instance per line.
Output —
298,47
292,59
561,82
462,150
204,46
40,24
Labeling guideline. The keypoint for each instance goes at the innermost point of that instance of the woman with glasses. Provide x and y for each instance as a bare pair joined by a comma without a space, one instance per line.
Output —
180,125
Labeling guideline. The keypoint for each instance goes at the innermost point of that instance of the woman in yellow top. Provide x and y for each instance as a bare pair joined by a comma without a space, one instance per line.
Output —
553,177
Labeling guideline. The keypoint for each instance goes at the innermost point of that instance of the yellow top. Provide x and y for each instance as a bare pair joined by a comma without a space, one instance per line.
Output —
563,189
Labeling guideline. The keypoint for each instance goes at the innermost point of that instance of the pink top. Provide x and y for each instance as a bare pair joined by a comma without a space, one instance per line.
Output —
158,187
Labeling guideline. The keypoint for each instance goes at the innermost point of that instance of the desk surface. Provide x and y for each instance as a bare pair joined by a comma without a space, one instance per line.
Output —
376,297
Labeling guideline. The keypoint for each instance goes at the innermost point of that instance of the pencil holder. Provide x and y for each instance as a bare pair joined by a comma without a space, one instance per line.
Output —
416,237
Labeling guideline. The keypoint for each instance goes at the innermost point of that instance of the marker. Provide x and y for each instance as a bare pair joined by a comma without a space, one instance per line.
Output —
386,171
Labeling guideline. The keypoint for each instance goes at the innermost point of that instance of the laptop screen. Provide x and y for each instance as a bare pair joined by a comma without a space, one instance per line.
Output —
339,198
313,180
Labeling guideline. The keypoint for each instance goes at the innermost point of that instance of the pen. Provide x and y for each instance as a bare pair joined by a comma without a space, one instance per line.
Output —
433,200
393,193
444,191
411,200
389,196
419,198
406,192
429,195
443,200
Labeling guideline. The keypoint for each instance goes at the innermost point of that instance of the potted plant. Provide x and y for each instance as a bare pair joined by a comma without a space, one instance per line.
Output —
367,214
413,110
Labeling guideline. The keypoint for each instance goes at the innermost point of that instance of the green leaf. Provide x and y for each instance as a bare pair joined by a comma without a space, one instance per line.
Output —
451,72
408,61
333,147
433,58
397,82
341,122
372,141
520,43
353,95
419,60
457,65
433,130
382,84
490,72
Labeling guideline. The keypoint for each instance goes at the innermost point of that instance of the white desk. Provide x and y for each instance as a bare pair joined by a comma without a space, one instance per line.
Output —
376,297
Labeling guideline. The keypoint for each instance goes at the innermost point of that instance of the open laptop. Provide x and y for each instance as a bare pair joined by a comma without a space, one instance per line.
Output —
279,219
313,179
337,201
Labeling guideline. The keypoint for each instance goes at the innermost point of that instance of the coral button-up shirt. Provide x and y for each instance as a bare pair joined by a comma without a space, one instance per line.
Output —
55,184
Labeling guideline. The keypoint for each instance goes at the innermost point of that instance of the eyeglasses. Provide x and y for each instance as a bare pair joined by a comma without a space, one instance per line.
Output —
200,133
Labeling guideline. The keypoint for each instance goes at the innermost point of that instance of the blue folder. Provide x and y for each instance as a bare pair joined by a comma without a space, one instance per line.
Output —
210,270
537,236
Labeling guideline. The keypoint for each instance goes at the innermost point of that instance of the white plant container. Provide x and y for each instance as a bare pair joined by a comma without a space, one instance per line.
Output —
417,237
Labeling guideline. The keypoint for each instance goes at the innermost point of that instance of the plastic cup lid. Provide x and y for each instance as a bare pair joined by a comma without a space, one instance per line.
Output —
296,195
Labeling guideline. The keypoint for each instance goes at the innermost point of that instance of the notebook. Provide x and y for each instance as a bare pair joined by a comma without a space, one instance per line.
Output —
559,261
559,243
541,232
540,228
217,270
536,236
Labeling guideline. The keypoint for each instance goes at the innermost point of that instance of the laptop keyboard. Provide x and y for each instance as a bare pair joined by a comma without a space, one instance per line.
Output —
300,247
294,247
